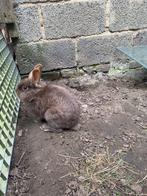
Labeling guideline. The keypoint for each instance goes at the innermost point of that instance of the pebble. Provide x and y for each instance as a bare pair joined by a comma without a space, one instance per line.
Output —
81,178
20,132
108,137
84,108
137,188
124,182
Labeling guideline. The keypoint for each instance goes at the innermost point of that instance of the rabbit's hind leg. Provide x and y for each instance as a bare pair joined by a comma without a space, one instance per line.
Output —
53,117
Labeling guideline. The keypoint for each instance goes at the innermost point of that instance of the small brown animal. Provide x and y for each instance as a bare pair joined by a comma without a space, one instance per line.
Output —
49,102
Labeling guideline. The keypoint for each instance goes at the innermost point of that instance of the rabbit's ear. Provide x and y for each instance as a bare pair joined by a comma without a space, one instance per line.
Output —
39,67
35,75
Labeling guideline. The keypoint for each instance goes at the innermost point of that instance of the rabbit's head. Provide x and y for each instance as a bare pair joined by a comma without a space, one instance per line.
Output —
28,86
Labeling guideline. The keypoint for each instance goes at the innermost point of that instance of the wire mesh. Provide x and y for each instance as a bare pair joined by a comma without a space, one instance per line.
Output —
9,108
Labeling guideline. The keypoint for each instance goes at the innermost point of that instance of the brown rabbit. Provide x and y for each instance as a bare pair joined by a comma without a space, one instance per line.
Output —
52,103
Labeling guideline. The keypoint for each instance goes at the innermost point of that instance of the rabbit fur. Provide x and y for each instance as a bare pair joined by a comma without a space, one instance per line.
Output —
49,102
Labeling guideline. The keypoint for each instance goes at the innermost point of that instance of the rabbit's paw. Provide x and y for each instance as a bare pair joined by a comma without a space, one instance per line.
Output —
47,128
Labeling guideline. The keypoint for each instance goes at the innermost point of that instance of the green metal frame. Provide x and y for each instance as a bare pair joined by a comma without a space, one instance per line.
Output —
9,108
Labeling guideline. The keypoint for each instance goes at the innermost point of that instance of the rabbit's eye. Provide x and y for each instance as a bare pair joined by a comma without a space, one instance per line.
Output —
25,88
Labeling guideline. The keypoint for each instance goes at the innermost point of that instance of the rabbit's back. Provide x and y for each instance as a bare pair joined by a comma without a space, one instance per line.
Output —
58,106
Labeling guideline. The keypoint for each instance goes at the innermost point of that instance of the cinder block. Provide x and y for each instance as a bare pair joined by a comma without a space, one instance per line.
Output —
52,54
140,38
100,49
128,14
74,18
29,24
36,1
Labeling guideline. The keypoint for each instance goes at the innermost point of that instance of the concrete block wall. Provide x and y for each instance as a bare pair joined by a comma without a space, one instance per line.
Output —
77,33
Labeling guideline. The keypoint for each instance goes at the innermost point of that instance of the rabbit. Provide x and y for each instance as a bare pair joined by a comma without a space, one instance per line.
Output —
49,102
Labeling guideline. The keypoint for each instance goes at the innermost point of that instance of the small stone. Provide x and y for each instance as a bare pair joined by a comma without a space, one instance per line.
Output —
85,108
46,166
42,182
20,132
81,178
137,188
62,142
91,104
78,127
83,82
108,137
97,112
117,109
68,73
126,145
124,182
73,185
68,192
14,172
45,130
137,119
16,192
101,146
82,191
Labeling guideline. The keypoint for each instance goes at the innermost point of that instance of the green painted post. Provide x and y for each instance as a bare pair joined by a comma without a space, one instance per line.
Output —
9,108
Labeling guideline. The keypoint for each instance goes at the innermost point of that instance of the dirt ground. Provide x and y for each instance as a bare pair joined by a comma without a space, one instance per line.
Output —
114,117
